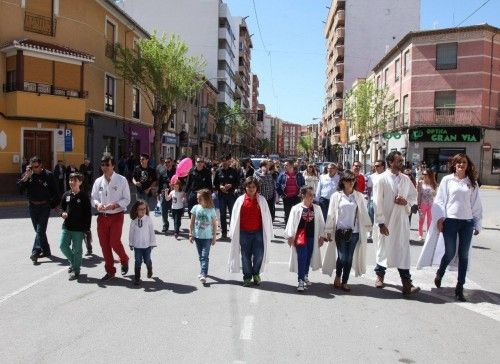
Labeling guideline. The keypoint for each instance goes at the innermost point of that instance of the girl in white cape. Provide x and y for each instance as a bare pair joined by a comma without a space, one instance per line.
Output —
251,231
304,231
347,212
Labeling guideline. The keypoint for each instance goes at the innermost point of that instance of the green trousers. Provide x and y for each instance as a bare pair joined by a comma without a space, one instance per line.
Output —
71,246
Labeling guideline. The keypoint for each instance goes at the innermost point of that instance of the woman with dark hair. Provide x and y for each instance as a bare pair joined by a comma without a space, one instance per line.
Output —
457,213
251,232
347,225
304,230
311,177
426,189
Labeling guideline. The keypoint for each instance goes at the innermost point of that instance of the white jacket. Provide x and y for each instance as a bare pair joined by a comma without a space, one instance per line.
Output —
142,237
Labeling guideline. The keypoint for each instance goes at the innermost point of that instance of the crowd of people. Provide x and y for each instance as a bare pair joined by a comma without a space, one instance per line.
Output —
340,208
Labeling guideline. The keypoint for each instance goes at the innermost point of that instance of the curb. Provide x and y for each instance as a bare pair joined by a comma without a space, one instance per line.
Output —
489,187
13,203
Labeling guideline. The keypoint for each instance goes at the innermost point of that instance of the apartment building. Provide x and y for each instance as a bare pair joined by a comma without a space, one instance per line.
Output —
61,99
357,34
446,87
290,137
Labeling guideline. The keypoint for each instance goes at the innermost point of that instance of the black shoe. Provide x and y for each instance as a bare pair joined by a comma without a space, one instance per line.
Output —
437,281
137,276
150,270
34,258
45,255
164,230
459,293
89,253
107,277
73,276
124,269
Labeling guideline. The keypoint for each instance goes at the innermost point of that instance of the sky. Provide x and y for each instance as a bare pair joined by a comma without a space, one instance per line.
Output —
288,52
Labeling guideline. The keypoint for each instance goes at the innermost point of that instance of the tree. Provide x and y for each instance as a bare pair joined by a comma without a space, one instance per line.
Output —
164,75
368,109
306,145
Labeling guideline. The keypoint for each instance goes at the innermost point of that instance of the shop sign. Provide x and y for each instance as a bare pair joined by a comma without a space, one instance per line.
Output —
68,140
169,138
453,135
389,135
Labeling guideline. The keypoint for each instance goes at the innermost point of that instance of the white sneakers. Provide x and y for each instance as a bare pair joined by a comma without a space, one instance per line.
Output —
202,278
307,281
302,286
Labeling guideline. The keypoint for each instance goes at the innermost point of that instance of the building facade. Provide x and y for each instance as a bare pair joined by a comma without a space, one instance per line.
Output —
446,87
61,99
290,139
357,33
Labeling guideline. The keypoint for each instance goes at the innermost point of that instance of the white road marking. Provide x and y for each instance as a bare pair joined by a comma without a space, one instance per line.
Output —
247,329
424,279
28,286
254,298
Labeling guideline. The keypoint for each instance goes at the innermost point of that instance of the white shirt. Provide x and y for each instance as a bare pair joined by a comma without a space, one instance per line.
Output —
370,183
327,186
116,191
177,198
142,233
463,201
347,212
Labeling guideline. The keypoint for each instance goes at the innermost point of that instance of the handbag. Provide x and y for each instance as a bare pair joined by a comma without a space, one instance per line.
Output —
344,235
300,236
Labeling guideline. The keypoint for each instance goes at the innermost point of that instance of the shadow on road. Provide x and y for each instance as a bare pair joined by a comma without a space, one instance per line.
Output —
154,285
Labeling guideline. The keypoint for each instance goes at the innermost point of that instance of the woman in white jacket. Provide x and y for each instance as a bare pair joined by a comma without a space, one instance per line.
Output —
304,231
347,225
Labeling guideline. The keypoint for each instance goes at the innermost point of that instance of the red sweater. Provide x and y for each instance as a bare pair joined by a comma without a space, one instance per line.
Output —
250,216
360,183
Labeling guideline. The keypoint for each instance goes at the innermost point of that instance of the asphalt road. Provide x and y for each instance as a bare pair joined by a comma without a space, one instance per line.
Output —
173,318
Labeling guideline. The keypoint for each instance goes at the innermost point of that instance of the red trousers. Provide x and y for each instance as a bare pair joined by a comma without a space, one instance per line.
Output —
109,230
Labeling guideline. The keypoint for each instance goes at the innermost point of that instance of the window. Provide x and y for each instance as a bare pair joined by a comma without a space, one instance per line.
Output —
405,110
11,81
446,56
109,96
406,62
378,82
136,103
110,33
386,76
495,163
396,70
444,103
396,113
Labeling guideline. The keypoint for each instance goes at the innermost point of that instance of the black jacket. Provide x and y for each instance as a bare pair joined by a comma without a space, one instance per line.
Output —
225,176
79,213
164,179
41,187
198,180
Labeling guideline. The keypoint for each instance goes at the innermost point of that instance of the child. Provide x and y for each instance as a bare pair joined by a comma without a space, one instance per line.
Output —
141,238
77,216
178,198
203,229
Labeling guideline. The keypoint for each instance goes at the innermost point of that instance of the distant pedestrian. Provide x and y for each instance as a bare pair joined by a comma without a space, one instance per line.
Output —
226,181
251,232
457,214
371,182
304,231
203,229
427,189
267,185
141,238
311,177
327,186
111,196
199,178
360,178
144,180
87,171
164,189
77,215
288,187
60,176
347,226
42,196
177,198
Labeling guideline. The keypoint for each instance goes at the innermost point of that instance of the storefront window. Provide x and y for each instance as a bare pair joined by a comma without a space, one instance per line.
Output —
437,159
495,163
109,145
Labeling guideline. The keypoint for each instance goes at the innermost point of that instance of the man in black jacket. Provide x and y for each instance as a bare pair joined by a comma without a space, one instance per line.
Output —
226,180
198,178
42,195
164,188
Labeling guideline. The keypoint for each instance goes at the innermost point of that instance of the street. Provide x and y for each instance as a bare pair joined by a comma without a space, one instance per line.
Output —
174,318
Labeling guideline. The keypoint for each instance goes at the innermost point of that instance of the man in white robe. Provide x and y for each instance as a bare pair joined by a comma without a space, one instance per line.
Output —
394,194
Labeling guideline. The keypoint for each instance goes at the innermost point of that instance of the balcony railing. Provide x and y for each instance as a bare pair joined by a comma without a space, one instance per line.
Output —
39,24
41,88
445,117
110,50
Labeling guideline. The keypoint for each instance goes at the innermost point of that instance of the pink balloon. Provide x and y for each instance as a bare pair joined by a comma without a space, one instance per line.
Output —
174,179
184,167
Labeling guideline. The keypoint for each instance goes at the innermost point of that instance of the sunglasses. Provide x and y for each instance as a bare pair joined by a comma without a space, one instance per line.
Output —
35,167
199,161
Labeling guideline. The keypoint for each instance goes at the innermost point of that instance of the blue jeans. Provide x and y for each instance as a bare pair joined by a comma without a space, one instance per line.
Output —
252,252
304,254
451,229
165,207
403,273
40,218
142,254
324,203
345,250
177,215
226,202
192,200
203,246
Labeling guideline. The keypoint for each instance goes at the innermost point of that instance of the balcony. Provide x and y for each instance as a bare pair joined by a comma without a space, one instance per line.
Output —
340,33
400,121
339,51
339,103
338,86
40,24
339,67
340,17
445,117
44,102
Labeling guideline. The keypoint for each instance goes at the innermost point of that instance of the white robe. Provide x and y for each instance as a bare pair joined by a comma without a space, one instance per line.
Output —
434,249
234,232
364,223
393,250
291,230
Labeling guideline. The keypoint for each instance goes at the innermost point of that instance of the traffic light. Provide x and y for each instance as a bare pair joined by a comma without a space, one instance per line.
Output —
260,115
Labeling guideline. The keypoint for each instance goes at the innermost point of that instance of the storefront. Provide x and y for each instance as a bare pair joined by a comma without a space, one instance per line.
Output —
169,145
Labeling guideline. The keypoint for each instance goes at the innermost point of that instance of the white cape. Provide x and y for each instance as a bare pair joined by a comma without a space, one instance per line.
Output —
291,230
234,233
364,223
